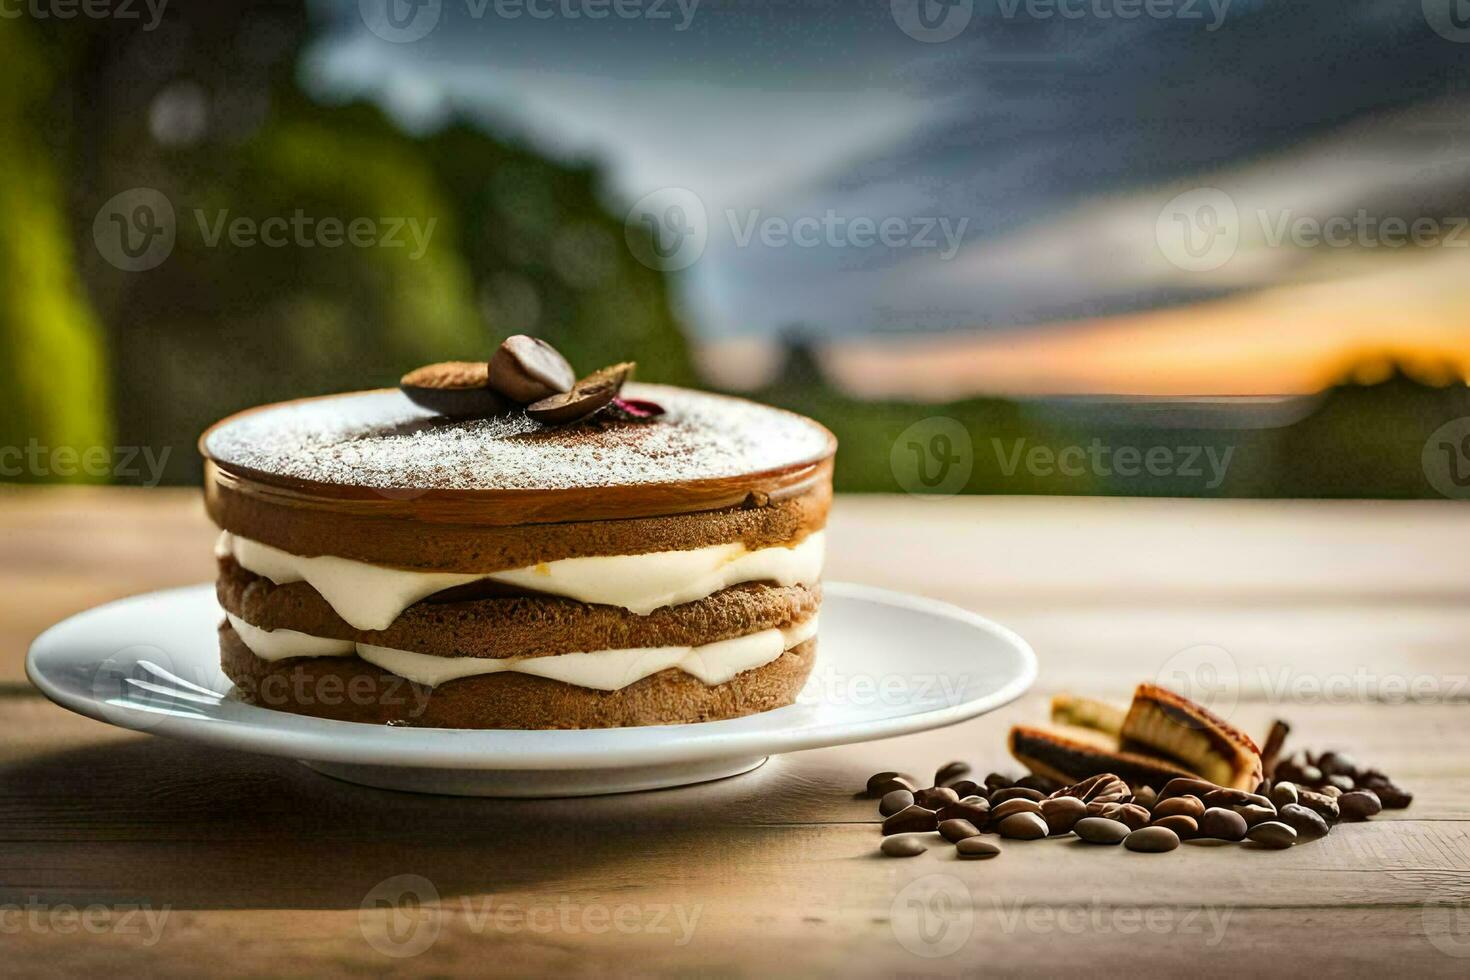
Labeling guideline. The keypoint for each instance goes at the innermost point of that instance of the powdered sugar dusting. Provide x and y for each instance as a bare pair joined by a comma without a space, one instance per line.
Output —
380,439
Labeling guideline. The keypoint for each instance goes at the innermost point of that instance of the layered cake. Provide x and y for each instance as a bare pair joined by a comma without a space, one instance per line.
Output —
461,554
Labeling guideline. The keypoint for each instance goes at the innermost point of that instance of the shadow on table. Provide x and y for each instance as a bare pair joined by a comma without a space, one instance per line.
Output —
171,823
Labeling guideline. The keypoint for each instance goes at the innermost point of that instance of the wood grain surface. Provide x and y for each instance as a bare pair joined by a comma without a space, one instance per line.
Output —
135,855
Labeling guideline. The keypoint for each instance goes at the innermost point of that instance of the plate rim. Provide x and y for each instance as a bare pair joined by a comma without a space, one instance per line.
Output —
327,740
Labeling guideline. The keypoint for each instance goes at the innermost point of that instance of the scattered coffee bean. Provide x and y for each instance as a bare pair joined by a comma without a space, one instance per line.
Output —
973,809
880,784
455,389
1188,806
999,811
936,797
1101,830
1131,815
1232,799
1184,827
950,772
588,396
1187,786
1343,783
899,799
1310,775
1327,789
1041,784
527,370
996,781
1146,797
1219,823
965,787
1320,804
1360,804
1023,826
1016,793
1102,788
911,819
1308,825
1282,793
976,847
1253,814
1273,834
1062,813
903,846
1337,764
1391,796
957,830
1153,840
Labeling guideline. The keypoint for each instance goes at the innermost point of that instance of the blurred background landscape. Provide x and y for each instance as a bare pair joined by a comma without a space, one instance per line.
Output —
959,234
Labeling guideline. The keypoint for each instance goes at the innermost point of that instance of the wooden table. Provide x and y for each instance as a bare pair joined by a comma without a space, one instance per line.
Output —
1349,619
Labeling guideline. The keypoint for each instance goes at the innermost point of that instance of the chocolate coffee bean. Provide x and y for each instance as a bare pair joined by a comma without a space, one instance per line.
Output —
526,370
1153,840
1360,804
936,797
951,772
1187,786
882,783
455,389
1146,797
1101,830
910,820
1337,763
1327,789
903,846
1023,826
1282,793
1391,796
1308,825
1102,788
1309,775
1218,823
965,787
1323,806
1188,806
976,847
957,830
1343,783
899,799
1131,815
999,811
588,396
1256,814
1184,827
1273,834
996,781
1232,799
1062,813
1041,784
973,809
1016,793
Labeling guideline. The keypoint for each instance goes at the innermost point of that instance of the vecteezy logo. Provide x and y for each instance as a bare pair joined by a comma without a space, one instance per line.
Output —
400,916
932,21
135,230
668,229
142,687
1450,19
400,21
932,916
933,457
1206,674
1446,459
1199,230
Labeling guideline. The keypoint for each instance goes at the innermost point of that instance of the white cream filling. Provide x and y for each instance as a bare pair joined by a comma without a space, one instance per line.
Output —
604,670
371,597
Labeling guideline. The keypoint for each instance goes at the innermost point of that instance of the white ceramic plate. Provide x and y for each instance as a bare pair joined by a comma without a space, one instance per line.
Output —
887,664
